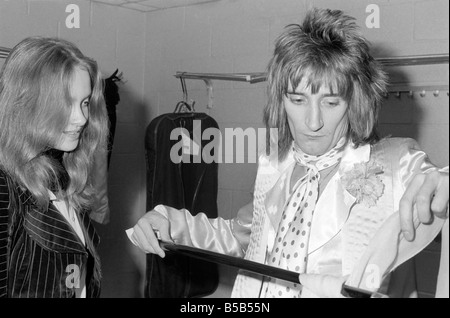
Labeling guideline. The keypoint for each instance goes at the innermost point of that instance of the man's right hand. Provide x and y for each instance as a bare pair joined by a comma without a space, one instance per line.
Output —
144,232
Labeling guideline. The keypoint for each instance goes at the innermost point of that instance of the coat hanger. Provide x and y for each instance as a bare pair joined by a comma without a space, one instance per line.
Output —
184,106
115,77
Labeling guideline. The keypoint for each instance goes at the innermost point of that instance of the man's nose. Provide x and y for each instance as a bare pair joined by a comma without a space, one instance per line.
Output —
314,119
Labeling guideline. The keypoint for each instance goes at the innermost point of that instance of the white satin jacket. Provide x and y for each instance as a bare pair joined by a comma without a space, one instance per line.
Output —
342,228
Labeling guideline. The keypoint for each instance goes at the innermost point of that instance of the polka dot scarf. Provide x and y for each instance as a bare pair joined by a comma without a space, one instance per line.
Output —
290,249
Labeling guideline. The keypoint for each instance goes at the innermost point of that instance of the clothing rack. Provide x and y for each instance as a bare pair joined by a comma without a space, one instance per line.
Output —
414,60
4,52
253,78
397,89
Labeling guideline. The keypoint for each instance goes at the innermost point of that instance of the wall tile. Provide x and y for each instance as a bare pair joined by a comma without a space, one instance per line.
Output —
154,41
249,37
431,109
128,139
397,110
150,109
13,22
418,47
152,76
240,199
102,40
167,81
125,169
224,201
239,105
435,28
196,41
434,140
237,176
55,14
166,20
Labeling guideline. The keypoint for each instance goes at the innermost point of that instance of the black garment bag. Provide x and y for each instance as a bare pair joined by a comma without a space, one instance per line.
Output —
189,184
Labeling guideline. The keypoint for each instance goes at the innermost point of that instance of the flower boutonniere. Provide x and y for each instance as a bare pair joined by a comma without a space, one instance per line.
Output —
363,182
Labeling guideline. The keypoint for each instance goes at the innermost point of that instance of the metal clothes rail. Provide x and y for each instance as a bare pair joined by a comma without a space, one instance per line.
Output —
4,52
398,89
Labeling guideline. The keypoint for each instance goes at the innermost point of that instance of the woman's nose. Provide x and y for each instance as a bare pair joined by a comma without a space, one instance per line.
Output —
314,119
79,116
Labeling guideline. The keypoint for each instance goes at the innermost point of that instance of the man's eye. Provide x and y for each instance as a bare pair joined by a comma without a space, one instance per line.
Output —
331,103
296,99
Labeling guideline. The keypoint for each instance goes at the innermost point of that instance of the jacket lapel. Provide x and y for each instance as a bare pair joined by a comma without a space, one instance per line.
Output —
269,172
276,197
49,229
334,205
89,230
92,241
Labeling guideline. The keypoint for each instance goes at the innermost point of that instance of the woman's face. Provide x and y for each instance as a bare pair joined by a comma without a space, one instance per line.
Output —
80,91
317,121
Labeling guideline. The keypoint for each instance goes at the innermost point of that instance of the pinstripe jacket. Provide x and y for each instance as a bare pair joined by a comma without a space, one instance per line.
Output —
40,253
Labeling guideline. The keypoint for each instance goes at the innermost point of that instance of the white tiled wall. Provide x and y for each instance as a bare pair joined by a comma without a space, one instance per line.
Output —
223,36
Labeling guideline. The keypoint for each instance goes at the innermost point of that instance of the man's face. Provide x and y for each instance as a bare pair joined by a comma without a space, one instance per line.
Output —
317,121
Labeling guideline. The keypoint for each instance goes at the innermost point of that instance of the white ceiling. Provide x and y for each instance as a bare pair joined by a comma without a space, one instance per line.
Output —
152,5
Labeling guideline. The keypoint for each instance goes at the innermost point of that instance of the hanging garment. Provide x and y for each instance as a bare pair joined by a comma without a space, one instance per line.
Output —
100,211
183,181
112,98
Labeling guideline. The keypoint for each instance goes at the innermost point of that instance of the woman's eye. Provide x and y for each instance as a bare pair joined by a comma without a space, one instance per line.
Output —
86,103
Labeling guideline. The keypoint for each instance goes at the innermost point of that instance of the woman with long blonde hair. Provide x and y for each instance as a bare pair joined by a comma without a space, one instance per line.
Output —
52,121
